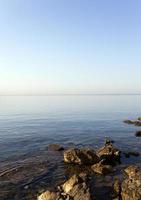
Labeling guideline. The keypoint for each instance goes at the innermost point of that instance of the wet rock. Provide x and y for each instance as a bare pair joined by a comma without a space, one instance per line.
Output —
55,147
48,195
131,186
83,156
101,169
138,134
109,154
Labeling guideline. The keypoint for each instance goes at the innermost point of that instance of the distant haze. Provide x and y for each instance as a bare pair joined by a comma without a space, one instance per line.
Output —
70,47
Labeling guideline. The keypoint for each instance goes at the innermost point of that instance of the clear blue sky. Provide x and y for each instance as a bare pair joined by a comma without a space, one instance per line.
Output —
70,46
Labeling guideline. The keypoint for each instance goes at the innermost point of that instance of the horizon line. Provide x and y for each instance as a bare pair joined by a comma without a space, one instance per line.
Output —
71,94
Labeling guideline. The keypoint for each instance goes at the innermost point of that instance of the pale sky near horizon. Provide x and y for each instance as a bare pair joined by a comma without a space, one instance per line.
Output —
70,46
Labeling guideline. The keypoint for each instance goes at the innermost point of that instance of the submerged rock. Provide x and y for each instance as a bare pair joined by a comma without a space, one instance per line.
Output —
131,153
131,186
109,154
55,147
101,169
83,156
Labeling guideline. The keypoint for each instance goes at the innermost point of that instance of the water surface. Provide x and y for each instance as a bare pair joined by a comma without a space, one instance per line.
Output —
29,123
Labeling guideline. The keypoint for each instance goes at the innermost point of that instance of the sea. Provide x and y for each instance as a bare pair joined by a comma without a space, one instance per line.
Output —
28,124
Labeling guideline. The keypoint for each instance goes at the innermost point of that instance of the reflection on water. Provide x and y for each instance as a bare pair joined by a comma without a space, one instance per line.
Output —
29,124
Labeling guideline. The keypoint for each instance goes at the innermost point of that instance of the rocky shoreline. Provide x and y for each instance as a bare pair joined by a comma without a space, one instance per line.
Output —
103,162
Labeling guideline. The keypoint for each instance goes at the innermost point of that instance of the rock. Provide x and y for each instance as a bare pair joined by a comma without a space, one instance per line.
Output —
74,180
117,188
136,122
128,121
107,141
77,188
132,171
109,154
83,156
131,153
68,185
48,195
80,192
55,147
101,169
138,134
131,186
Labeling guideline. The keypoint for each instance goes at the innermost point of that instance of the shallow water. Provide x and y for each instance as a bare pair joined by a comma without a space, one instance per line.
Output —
29,123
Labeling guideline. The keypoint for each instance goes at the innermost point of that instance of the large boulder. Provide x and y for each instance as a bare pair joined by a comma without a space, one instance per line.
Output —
108,153
83,156
131,186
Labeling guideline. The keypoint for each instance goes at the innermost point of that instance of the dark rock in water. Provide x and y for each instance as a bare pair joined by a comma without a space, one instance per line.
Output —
101,169
75,188
131,153
138,134
136,122
128,121
131,186
83,156
108,141
55,147
109,154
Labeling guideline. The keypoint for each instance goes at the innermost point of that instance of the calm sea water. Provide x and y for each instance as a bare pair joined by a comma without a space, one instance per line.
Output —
28,124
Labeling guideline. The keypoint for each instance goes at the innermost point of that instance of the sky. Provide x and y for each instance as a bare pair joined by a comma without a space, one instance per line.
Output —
70,46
